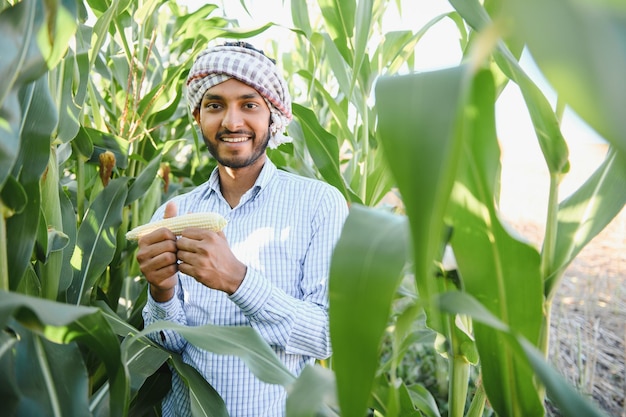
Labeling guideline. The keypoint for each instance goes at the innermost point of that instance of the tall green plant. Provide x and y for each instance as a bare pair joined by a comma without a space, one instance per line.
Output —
340,52
438,129
117,91
90,111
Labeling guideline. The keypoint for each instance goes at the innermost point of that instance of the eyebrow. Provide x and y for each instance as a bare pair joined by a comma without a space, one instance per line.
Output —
209,96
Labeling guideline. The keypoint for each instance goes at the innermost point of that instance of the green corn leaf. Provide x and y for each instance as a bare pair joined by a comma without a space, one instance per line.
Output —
63,324
244,342
151,393
571,403
95,245
499,270
36,313
39,120
142,359
338,112
379,179
82,144
323,148
60,26
21,64
472,12
41,241
398,47
51,210
574,56
407,405
339,16
313,393
363,27
22,60
161,108
144,12
423,400
190,27
300,17
13,196
144,181
9,138
587,212
69,229
417,116
20,250
186,21
239,33
101,29
544,119
365,271
339,65
205,401
69,108
49,378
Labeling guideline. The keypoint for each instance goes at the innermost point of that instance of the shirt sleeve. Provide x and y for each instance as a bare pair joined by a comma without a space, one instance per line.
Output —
298,325
172,311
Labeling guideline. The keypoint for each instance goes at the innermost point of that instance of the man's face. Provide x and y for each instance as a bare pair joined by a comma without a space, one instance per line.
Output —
234,120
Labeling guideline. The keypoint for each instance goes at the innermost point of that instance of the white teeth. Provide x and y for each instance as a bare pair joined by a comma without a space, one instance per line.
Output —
235,140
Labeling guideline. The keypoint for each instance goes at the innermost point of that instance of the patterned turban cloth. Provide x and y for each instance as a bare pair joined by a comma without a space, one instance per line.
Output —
217,64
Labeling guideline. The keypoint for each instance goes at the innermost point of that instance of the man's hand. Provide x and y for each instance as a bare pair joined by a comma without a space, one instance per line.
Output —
206,256
158,261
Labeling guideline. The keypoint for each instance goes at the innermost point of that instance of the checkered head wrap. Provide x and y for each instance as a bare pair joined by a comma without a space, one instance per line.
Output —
241,61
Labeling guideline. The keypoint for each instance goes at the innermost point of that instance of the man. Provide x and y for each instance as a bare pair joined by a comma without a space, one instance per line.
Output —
269,267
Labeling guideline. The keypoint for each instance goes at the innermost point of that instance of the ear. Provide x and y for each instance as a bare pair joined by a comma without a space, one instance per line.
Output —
196,115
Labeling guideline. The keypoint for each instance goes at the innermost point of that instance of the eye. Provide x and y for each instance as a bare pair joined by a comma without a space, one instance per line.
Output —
250,106
212,105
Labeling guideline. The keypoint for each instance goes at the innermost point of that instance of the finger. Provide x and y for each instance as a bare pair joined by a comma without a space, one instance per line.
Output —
148,253
184,257
160,235
196,233
188,244
170,210
163,274
187,269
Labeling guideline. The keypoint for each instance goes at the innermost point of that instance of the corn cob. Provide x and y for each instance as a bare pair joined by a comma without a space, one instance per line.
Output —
207,220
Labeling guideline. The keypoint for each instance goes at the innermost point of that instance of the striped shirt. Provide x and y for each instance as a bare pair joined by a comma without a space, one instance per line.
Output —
284,229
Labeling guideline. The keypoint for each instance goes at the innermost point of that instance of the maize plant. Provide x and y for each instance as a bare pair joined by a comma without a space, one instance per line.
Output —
437,131
95,134
92,128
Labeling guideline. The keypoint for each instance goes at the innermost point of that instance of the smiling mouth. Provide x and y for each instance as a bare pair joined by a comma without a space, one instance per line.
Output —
234,140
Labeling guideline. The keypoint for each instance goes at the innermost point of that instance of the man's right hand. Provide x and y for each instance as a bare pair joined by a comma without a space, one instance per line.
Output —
158,261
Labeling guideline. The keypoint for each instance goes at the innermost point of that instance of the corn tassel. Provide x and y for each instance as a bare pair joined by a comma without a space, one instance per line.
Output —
207,220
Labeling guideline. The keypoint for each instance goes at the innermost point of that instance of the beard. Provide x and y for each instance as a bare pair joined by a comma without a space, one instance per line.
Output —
237,161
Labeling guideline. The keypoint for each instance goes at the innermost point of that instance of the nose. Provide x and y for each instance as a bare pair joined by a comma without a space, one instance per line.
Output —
233,119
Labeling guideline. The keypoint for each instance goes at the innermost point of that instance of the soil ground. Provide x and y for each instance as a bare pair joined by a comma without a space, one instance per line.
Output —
588,331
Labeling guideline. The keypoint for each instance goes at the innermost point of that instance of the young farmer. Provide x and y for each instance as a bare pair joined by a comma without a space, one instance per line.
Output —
268,268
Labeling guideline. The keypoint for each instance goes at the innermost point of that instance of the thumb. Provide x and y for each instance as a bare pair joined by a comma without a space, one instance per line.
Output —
170,210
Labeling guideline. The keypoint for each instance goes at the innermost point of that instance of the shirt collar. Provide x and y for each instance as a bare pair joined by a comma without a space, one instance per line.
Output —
265,176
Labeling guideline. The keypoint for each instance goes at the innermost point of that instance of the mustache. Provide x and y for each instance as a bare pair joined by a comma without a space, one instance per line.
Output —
225,132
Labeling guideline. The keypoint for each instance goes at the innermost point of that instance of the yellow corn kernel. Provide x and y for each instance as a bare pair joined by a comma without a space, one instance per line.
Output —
206,220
